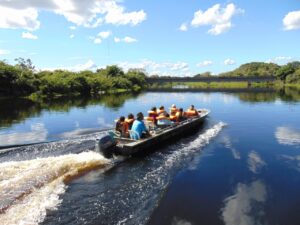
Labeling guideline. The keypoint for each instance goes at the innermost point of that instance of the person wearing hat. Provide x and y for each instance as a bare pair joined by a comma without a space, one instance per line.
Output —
173,111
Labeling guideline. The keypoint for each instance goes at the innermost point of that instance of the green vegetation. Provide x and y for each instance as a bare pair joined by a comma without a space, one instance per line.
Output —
253,69
22,80
289,73
287,76
199,85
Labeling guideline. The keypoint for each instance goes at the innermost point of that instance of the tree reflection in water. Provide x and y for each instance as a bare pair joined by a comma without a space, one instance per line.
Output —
16,110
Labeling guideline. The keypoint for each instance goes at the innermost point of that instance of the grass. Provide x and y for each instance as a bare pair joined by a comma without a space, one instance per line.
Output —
216,85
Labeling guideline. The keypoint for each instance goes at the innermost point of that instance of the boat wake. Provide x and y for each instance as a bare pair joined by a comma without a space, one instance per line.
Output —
29,188
140,187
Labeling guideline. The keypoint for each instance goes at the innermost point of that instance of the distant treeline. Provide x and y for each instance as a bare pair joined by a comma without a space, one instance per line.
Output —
22,80
289,73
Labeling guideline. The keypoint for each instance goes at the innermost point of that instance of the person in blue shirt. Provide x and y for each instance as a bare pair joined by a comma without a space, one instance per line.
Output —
139,128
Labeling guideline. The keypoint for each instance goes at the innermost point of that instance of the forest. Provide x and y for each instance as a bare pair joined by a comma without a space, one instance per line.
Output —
23,80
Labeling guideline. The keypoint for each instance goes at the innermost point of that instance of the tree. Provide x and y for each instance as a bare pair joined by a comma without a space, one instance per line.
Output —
137,77
294,77
205,74
254,69
295,65
114,71
25,64
284,71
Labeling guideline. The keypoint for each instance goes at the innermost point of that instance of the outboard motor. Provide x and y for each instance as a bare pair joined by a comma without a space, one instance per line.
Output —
105,145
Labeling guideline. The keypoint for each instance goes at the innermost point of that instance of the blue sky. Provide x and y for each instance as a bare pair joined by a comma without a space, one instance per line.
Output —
180,38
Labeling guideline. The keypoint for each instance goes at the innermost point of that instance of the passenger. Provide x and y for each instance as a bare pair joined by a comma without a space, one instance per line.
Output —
130,120
180,115
162,111
191,112
152,114
164,120
122,127
173,111
139,128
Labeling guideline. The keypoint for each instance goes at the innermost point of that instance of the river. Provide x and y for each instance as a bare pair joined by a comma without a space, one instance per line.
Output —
241,167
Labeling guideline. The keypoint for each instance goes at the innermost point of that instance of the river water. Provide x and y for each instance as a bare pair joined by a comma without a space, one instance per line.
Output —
241,167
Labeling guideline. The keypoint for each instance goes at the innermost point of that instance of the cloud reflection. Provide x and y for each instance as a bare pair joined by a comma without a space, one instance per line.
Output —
178,221
84,131
287,136
103,124
228,99
37,133
255,162
245,206
235,153
78,132
158,99
293,161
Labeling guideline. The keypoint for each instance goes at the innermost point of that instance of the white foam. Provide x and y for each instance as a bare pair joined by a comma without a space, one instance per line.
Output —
202,140
29,188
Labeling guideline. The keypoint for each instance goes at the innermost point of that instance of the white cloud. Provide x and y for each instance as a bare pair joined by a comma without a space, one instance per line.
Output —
117,40
24,14
72,28
72,36
4,52
100,36
129,39
28,35
183,27
205,63
218,18
220,28
89,65
116,15
162,68
15,18
292,20
229,62
125,39
179,66
97,41
104,34
280,60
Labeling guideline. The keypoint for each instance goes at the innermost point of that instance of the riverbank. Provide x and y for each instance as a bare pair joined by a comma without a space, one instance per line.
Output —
216,85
